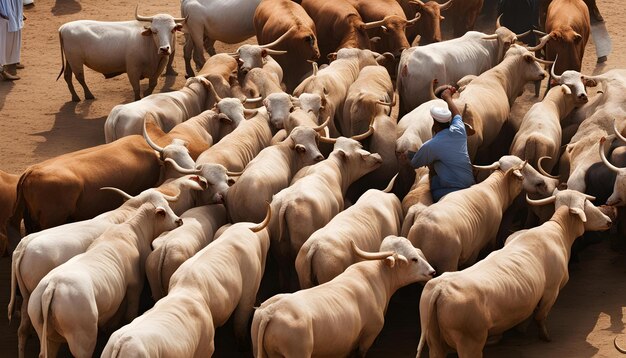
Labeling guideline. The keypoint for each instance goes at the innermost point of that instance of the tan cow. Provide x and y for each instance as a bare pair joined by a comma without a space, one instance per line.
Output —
270,172
99,287
171,249
326,254
338,25
618,197
218,69
67,188
519,281
453,231
8,196
38,253
274,18
218,282
418,198
315,196
342,316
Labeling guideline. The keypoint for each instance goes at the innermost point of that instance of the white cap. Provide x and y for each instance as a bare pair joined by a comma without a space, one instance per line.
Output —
28,2
440,114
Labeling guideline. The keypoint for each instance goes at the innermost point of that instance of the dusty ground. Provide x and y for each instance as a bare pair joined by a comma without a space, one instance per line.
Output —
38,121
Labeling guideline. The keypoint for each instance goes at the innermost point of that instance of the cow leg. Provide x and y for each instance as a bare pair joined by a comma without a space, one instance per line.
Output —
469,344
67,75
152,82
241,317
545,305
197,37
134,79
80,77
24,329
209,45
187,52
369,334
53,348
169,69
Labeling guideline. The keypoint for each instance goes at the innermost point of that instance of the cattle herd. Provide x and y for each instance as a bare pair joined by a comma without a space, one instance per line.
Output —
272,190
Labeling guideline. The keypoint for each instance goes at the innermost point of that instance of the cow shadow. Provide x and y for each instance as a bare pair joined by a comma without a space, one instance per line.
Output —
5,89
65,7
71,130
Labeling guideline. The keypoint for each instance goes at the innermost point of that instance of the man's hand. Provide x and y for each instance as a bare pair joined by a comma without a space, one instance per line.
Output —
446,95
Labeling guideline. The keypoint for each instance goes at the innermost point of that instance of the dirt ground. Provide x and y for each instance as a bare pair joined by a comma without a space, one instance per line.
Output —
38,121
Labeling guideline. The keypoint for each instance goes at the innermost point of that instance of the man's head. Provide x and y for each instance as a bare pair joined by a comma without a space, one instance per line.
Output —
441,118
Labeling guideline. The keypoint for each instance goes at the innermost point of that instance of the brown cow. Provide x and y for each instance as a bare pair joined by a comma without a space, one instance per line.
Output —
463,15
8,183
272,19
429,26
218,70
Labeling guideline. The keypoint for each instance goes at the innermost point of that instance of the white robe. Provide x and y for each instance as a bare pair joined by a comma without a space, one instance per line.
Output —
11,31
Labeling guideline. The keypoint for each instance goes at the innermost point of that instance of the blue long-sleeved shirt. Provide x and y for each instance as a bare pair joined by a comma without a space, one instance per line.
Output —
447,151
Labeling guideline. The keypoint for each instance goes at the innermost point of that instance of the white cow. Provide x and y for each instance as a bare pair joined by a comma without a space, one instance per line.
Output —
99,287
343,316
174,247
113,48
215,20
218,282
326,254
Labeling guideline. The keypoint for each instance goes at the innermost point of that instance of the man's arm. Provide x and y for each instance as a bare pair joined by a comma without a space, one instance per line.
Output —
446,95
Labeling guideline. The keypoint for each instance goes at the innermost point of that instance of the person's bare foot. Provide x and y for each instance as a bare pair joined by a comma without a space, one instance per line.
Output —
5,76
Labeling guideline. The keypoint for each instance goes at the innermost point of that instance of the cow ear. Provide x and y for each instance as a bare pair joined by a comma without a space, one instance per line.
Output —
178,27
201,182
231,181
580,212
146,32
528,57
518,174
160,211
577,37
390,261
264,53
441,18
342,154
589,82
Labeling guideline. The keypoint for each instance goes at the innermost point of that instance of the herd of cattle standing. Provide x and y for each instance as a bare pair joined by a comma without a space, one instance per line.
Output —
254,160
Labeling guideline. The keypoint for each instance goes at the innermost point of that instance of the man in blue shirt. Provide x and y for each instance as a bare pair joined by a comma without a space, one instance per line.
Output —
446,152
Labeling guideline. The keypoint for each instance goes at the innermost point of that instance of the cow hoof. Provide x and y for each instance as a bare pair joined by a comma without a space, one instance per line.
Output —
170,73
90,97
602,59
75,99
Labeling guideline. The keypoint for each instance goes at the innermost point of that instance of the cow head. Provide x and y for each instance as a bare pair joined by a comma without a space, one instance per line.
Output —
392,31
158,203
305,44
304,141
165,220
176,151
162,28
279,106
580,206
218,182
573,84
232,109
184,188
529,66
429,26
356,36
569,45
311,103
618,197
355,160
505,38
253,56
407,262
541,184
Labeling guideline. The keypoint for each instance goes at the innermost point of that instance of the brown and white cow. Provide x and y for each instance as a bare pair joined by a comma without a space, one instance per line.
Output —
114,48
99,287
218,69
219,282
519,281
326,254
276,17
342,316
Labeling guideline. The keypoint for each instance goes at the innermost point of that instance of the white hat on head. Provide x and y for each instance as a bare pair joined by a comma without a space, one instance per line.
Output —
440,114
28,2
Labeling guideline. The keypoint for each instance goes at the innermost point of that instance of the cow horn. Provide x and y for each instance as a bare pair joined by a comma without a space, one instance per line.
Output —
544,201
119,191
370,255
445,6
589,197
328,140
540,168
417,2
544,40
491,37
278,40
523,34
149,141
234,174
494,166
321,126
181,19
265,221
603,145
545,62
315,67
141,18
390,104
618,134
498,21
170,198
251,100
414,20
373,24
390,185
180,169
363,136
540,33
556,78
275,52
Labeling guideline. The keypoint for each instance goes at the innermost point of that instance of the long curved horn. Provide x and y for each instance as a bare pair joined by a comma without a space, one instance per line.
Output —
545,62
445,6
540,33
362,136
494,166
251,100
328,140
414,20
556,78
149,141
540,168
618,134
544,201
170,198
315,67
373,24
603,145
544,40
234,174
370,255
181,19
278,40
180,169
275,52
119,191
323,125
142,18
589,197
265,221
390,185
490,37
417,2
523,34
390,104
498,21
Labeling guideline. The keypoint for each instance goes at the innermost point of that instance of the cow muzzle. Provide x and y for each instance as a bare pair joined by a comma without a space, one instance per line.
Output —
582,98
165,50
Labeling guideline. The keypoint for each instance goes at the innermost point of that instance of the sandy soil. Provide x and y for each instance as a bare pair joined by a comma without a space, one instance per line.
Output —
38,121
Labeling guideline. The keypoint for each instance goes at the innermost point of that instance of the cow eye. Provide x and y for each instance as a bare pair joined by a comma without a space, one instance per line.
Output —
291,109
414,259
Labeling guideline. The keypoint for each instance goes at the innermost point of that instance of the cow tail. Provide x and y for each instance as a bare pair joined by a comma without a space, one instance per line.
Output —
428,319
265,319
18,253
160,270
118,346
305,274
46,301
281,220
20,209
530,151
62,57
